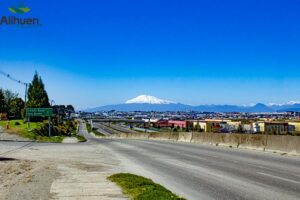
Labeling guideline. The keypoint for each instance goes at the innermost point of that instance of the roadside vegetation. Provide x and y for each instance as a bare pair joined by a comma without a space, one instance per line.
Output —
19,127
81,138
140,188
89,127
96,132
12,111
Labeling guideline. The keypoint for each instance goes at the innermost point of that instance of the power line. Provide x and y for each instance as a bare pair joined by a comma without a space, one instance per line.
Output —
12,78
17,81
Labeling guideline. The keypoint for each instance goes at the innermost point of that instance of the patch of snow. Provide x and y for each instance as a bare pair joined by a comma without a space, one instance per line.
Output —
148,99
283,104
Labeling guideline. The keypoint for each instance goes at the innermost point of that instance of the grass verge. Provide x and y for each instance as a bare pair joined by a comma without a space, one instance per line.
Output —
140,188
19,127
94,130
88,127
81,138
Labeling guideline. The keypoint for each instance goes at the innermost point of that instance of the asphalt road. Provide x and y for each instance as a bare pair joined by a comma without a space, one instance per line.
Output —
106,130
207,172
102,128
193,171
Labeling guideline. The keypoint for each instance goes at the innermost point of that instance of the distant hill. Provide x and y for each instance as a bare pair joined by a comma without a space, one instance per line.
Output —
292,108
143,107
150,103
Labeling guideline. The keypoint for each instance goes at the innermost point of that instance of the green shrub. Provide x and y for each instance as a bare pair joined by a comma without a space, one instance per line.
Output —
17,124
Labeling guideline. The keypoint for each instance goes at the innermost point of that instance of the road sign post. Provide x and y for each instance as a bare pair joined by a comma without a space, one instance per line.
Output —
49,119
39,112
28,120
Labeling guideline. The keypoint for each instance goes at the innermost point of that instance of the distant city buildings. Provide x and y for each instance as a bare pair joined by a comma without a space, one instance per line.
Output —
251,123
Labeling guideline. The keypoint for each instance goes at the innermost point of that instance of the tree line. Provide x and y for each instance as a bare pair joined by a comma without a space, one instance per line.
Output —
14,106
11,104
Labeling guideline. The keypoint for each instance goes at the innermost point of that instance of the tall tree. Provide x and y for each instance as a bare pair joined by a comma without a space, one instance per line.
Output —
2,102
15,107
37,95
70,108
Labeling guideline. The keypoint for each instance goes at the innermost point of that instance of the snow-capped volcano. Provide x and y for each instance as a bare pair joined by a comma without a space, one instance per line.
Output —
148,100
151,103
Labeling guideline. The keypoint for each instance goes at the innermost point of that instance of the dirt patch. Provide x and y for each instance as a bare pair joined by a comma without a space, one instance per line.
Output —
11,136
24,179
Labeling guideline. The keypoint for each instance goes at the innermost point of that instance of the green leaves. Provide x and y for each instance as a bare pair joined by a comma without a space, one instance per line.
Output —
11,104
25,9
21,9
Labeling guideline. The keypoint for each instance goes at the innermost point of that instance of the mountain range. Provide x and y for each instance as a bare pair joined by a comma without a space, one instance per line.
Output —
151,103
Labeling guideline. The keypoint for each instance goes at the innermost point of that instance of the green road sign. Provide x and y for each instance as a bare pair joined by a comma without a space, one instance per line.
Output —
39,112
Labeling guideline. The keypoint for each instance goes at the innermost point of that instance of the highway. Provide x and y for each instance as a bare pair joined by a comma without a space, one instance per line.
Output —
106,129
207,172
103,128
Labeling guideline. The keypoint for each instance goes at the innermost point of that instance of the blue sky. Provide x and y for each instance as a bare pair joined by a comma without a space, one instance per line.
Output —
92,53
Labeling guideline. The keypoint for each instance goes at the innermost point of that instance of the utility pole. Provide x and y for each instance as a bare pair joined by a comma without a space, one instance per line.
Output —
26,86
49,119
28,120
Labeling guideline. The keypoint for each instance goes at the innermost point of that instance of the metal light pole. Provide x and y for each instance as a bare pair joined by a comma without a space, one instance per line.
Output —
26,86
51,102
26,94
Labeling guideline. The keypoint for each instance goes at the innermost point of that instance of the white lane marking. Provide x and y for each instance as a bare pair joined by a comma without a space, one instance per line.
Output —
280,178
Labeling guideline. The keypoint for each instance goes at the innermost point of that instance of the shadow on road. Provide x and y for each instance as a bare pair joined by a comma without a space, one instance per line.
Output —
7,159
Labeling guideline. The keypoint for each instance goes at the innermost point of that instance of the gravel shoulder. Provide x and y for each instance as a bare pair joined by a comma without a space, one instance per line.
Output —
30,170
4,136
25,179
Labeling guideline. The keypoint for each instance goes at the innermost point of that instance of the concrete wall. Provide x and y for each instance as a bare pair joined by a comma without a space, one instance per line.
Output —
286,144
185,137
272,143
164,136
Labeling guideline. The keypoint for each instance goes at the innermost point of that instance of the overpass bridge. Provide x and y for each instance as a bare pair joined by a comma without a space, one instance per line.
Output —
131,121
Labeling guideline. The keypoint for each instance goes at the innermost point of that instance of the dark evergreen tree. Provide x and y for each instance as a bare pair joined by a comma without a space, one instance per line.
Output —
2,102
37,95
70,108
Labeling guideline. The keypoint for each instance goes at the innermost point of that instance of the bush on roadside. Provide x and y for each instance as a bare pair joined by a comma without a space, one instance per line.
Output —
59,130
17,124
